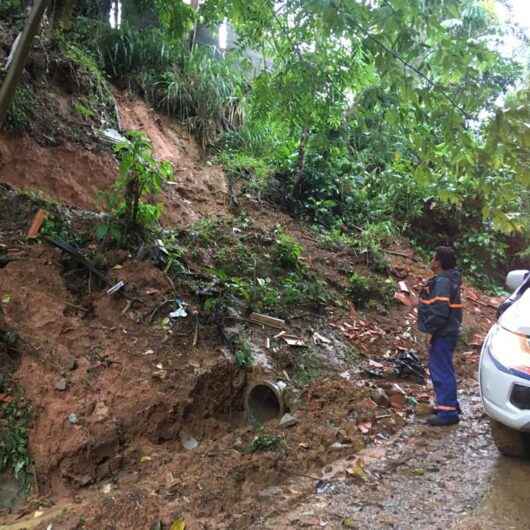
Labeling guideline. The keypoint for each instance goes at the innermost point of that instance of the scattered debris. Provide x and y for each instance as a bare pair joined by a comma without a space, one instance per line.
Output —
320,339
37,223
180,311
337,446
65,247
267,320
288,420
293,340
111,136
188,441
115,288
61,385
408,364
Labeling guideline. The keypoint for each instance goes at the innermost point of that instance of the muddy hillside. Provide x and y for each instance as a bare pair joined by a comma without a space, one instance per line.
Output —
133,403
179,350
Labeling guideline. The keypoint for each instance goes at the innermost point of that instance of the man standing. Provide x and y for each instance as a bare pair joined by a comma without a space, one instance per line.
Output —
440,315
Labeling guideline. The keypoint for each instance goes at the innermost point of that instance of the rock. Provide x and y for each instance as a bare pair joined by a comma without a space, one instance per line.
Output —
339,447
367,405
423,409
288,420
61,385
398,401
72,365
101,411
188,441
72,418
380,397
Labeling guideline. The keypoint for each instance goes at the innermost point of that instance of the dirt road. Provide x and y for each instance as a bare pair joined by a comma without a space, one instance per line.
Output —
422,479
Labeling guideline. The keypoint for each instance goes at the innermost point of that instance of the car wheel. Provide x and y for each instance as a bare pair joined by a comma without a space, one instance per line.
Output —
508,441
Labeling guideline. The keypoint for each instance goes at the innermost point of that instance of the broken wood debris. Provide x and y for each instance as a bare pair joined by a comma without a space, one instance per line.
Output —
36,225
266,320
293,340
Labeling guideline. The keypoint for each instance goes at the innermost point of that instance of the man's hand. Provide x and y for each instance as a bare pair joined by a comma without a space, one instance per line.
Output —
409,299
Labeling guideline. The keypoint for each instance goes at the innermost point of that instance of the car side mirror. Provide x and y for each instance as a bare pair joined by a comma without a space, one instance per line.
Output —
515,278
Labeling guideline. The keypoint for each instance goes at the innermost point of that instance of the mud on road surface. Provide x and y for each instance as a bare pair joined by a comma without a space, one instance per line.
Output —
423,478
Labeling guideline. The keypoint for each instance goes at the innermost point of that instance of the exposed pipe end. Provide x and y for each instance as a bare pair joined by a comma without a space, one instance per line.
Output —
264,402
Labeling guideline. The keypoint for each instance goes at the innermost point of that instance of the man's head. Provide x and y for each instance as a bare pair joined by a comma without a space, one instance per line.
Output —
444,259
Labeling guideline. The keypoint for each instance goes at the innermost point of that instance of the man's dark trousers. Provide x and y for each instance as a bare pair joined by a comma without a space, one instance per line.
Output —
443,375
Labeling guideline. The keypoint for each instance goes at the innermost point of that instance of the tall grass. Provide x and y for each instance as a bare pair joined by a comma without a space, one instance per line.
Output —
199,87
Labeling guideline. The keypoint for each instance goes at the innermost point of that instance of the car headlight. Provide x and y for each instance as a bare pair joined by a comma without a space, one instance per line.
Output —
511,350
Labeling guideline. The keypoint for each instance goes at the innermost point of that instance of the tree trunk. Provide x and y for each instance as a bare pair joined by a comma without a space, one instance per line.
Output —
300,166
62,13
14,73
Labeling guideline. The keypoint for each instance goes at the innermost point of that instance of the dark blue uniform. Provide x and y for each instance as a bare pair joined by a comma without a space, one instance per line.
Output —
440,315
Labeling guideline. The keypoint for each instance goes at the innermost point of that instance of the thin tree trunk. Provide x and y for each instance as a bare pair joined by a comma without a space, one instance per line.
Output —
62,14
14,73
300,166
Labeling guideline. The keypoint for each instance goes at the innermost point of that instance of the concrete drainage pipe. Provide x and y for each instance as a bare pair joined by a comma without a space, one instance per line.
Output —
264,401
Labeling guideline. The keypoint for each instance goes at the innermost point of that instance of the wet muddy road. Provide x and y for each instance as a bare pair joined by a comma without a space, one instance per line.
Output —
451,478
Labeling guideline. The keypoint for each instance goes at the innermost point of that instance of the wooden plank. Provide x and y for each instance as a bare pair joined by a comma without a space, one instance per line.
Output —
37,223
266,320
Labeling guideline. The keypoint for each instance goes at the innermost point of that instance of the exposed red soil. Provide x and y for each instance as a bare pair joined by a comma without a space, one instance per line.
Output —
68,173
135,386
77,174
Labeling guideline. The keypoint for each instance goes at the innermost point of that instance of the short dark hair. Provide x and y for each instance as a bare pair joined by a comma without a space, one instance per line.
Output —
446,257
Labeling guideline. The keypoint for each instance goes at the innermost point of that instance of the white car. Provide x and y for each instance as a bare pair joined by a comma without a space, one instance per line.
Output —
504,371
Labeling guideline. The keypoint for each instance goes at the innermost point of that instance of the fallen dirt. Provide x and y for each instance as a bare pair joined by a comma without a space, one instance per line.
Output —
197,188
78,173
115,392
117,389
422,478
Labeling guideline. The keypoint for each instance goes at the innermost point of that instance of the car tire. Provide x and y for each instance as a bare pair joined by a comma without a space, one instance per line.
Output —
509,441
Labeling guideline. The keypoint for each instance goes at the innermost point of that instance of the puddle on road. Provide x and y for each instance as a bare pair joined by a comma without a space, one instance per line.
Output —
506,503
449,478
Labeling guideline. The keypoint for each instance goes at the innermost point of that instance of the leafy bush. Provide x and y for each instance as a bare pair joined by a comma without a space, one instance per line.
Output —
14,451
20,113
243,354
287,250
366,289
126,51
140,175
10,8
266,442
198,87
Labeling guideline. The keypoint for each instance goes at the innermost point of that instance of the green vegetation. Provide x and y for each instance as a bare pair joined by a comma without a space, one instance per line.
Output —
243,354
140,175
86,79
367,290
20,113
266,442
308,368
261,269
15,416
197,87
336,110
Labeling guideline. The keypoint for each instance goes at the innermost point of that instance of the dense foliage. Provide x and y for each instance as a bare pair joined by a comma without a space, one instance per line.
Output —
368,118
